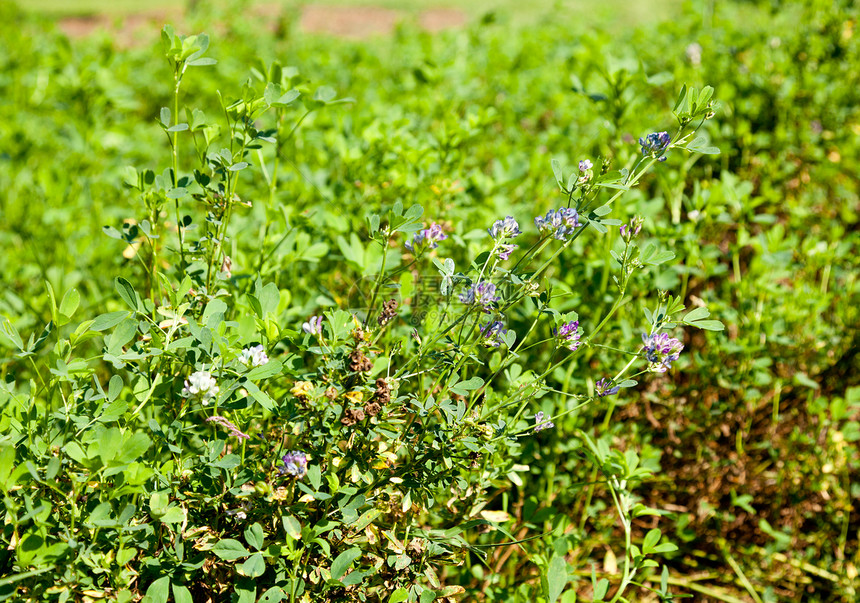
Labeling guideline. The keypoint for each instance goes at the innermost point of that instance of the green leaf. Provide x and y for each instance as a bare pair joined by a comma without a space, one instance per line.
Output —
174,514
271,368
292,527
70,303
230,549
229,461
202,62
314,476
325,94
398,596
133,447
7,461
696,314
343,561
158,502
681,97
660,256
254,536
708,325
651,539
254,566
159,590
428,596
664,547
471,384
803,379
556,577
127,293
366,519
109,444
114,387
260,396
273,595
12,333
103,322
557,172
181,594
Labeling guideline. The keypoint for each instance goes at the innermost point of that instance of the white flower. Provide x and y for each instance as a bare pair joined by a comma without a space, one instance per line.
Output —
201,385
255,356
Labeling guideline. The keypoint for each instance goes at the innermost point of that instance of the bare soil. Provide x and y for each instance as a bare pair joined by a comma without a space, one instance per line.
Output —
350,22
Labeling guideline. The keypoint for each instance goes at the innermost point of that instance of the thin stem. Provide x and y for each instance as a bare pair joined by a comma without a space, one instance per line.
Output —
179,70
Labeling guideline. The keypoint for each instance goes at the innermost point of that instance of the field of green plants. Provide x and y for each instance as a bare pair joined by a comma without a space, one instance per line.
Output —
564,312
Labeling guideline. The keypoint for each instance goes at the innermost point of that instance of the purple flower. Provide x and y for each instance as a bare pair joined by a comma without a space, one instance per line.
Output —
426,239
481,294
633,229
568,335
505,250
232,429
585,165
661,351
313,326
295,464
541,422
560,222
655,143
492,333
602,388
504,229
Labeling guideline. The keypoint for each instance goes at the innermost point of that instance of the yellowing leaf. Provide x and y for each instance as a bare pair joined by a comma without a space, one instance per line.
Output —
496,516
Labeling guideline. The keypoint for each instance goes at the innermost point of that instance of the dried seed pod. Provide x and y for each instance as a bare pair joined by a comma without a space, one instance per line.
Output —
383,392
352,416
372,409
389,311
359,363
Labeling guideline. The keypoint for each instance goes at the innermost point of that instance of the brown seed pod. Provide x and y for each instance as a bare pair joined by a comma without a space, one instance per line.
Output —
389,311
352,416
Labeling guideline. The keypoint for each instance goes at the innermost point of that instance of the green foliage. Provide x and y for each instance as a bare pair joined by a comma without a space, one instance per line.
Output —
224,376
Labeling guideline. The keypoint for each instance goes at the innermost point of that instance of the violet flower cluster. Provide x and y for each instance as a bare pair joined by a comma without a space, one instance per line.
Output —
492,333
482,293
295,464
568,335
426,239
655,143
604,388
628,231
560,222
313,326
542,422
504,229
661,351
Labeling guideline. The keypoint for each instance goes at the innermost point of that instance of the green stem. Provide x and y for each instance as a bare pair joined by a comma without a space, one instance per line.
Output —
177,79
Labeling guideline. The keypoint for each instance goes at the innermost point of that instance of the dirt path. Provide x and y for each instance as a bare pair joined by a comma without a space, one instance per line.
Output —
343,21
